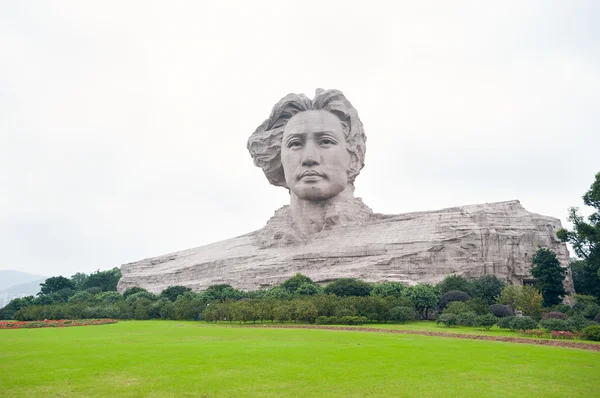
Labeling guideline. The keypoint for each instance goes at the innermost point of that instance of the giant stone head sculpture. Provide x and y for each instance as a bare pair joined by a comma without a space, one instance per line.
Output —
306,145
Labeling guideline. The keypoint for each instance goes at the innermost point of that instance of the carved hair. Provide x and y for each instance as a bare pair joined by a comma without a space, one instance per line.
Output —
265,143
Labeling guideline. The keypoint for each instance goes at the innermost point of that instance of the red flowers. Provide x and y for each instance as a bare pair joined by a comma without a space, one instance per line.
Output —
54,324
561,334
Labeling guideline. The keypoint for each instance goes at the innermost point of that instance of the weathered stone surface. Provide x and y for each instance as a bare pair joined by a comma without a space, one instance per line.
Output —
316,149
495,238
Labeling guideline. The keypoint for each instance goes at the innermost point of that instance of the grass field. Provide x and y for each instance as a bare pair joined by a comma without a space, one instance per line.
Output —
169,358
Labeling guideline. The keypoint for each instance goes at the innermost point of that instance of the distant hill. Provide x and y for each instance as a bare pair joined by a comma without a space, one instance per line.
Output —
10,278
14,284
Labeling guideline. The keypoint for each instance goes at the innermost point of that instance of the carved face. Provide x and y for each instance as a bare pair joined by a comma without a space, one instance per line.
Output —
314,155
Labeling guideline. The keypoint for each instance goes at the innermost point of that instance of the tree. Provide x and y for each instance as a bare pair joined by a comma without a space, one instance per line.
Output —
54,284
509,296
292,284
105,280
454,282
348,287
308,289
527,299
172,292
425,297
78,280
530,301
133,290
487,287
585,240
549,276
388,289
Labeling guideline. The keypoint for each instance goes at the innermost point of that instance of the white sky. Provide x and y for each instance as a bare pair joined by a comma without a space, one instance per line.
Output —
123,124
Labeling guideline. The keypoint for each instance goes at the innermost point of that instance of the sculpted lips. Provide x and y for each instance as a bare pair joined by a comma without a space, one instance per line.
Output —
310,173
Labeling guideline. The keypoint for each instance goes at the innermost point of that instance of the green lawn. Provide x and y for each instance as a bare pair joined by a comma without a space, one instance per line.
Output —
169,358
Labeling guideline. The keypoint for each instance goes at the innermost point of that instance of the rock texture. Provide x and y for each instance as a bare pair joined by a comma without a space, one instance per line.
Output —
422,247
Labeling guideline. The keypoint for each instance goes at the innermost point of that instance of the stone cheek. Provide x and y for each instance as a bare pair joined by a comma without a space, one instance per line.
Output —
423,247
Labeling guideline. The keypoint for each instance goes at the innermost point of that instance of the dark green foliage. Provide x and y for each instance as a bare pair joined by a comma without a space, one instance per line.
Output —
452,295
105,280
467,318
457,307
487,287
486,321
133,290
402,314
15,305
454,282
505,322
597,318
424,297
478,306
78,280
549,276
555,315
564,308
585,240
447,320
590,311
292,284
578,322
388,289
308,289
344,287
501,310
554,324
54,284
172,292
592,333
278,293
523,323
222,292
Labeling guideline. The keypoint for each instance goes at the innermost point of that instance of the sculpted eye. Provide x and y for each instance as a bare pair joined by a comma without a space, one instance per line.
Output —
294,143
327,141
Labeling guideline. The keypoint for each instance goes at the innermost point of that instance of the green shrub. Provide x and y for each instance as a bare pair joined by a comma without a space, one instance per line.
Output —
348,287
590,311
523,323
564,308
486,321
457,307
467,319
478,305
592,333
453,295
578,322
555,324
402,314
504,322
555,315
133,290
322,320
447,319
501,310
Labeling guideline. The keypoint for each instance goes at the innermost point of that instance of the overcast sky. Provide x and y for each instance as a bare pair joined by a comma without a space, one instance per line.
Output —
123,124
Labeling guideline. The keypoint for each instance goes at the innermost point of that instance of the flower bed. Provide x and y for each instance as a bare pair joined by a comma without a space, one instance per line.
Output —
63,323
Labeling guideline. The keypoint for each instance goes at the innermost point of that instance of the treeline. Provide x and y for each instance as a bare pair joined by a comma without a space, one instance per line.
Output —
456,300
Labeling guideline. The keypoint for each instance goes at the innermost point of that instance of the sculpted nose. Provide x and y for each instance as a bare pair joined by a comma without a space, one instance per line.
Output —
309,156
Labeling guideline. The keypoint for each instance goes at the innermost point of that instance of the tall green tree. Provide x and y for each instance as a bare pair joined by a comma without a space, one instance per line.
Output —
55,284
105,280
425,298
549,276
585,240
487,287
348,287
